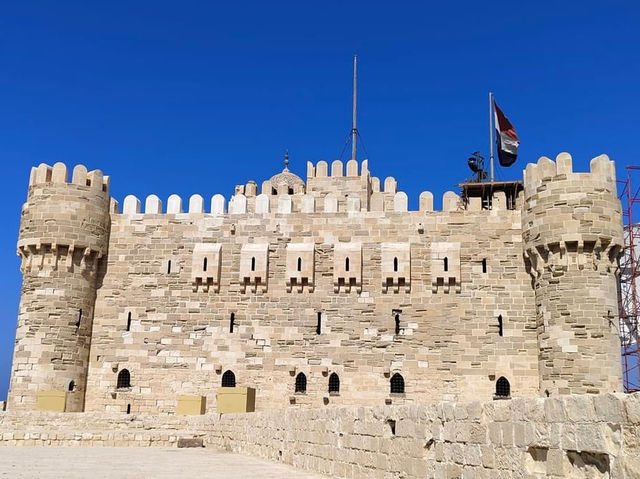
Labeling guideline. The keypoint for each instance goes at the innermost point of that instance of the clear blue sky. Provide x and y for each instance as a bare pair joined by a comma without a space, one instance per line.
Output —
195,97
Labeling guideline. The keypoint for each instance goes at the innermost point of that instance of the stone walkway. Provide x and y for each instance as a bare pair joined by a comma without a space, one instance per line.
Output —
137,463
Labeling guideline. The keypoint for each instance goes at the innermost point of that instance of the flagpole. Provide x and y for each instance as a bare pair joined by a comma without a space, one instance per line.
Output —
354,127
491,142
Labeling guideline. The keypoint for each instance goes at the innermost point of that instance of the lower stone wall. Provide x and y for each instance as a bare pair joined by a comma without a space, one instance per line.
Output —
39,428
567,436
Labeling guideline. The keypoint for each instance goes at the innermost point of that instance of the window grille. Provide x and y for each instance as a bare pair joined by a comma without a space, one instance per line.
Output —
228,380
301,383
124,379
397,384
503,388
334,383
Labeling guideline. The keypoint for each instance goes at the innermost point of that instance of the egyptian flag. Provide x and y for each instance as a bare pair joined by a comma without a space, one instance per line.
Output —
508,140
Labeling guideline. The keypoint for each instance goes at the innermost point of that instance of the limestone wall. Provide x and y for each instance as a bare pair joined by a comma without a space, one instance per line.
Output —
447,346
580,436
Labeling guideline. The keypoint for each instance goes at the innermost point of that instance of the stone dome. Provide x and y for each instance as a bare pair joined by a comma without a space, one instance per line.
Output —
287,178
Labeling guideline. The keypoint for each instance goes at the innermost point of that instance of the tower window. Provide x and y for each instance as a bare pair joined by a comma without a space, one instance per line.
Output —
204,265
169,267
500,325
397,384
228,379
395,265
301,383
129,321
299,264
484,265
319,324
334,383
124,379
445,262
274,191
253,263
232,322
79,318
503,388
128,408
290,191
346,264
397,318
72,386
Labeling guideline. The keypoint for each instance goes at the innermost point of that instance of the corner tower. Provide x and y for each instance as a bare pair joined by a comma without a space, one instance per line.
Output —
64,231
573,236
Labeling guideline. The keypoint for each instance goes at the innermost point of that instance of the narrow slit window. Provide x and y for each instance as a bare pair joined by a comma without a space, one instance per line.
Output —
346,264
397,384
232,322
319,324
301,383
72,386
445,262
500,330
299,264
129,321
228,379
128,408
169,267
503,388
79,318
253,263
334,383
395,265
397,319
484,265
204,265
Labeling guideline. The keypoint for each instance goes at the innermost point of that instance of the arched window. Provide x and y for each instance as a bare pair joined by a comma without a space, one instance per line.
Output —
503,388
232,322
124,379
301,383
228,379
129,321
445,262
204,265
253,263
299,264
72,386
395,265
346,264
397,384
500,325
334,383
397,324
274,191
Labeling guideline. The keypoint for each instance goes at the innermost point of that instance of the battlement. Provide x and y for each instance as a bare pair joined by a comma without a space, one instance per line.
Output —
602,169
43,174
321,169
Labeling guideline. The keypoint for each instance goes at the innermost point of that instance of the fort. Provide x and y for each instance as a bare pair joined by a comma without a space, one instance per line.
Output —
331,299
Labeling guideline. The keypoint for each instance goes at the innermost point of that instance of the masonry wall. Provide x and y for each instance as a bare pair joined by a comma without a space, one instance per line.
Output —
179,342
579,436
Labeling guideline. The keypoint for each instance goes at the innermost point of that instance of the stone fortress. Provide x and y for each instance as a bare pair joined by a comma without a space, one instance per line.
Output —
328,292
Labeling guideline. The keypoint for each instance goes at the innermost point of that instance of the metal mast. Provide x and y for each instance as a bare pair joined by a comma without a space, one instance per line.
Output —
491,142
354,128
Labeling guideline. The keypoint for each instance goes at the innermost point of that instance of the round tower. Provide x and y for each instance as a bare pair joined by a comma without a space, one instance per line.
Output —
64,231
573,236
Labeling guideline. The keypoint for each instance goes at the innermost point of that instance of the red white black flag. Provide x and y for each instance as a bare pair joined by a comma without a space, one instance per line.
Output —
508,140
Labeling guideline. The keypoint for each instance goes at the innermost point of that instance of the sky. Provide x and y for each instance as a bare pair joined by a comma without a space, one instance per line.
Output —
196,97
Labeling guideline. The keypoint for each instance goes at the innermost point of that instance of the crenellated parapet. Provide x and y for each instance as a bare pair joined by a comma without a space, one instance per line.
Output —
569,218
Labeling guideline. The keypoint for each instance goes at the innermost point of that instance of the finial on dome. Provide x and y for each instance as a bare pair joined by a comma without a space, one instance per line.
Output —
286,160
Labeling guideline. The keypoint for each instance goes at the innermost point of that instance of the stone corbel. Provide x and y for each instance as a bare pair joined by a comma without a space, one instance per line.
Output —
69,262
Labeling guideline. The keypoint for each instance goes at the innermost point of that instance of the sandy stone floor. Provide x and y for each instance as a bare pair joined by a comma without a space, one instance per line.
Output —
136,463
